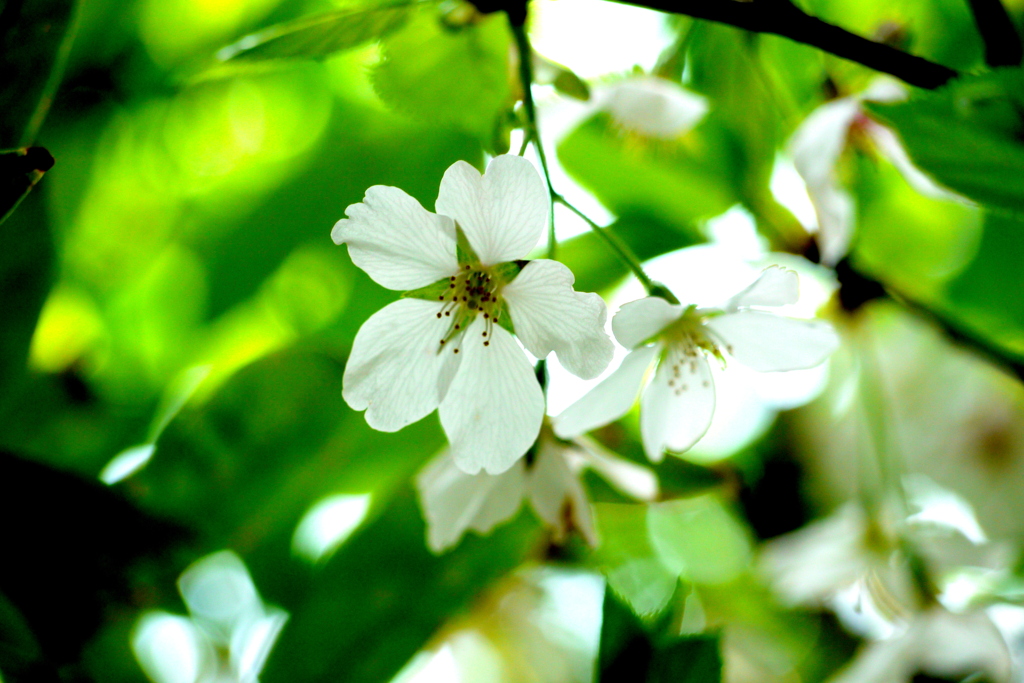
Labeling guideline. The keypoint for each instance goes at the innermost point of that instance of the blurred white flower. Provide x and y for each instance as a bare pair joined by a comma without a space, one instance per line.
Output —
817,145
454,501
672,343
227,637
653,106
449,343
858,568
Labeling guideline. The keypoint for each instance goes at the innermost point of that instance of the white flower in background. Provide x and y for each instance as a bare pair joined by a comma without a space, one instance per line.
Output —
856,567
454,502
449,344
227,637
653,106
670,347
817,145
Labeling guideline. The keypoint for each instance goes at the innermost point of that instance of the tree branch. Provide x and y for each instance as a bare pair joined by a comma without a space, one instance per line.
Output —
783,18
1002,42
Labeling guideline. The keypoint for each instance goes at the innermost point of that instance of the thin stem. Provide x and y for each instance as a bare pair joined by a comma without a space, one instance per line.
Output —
533,132
1002,42
620,248
783,18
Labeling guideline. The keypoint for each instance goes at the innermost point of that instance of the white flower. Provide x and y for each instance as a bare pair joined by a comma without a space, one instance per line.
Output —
454,501
817,145
448,344
654,106
679,400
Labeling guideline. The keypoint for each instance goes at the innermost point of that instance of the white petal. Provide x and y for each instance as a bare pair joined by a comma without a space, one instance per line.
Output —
676,408
454,501
892,148
629,478
656,107
395,372
821,138
555,490
549,316
495,405
777,286
609,400
772,343
396,241
834,208
639,320
503,213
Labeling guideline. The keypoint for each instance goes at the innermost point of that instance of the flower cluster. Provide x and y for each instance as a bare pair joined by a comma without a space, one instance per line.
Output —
454,342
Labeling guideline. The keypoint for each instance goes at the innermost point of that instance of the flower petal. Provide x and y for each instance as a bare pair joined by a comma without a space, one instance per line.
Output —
771,343
629,478
394,371
819,141
777,286
503,213
549,315
494,407
639,320
610,399
454,501
396,241
654,106
555,490
676,408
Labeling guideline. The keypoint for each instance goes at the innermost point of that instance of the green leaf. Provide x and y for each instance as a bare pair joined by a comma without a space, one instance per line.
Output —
628,560
78,546
451,76
26,269
383,595
320,35
969,136
987,295
675,183
36,38
699,538
633,651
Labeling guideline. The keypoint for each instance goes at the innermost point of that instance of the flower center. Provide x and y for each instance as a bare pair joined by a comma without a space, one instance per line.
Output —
471,292
685,340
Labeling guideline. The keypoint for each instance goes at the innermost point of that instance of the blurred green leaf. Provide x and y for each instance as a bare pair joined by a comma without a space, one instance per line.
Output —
35,37
78,546
987,295
21,658
383,595
274,439
677,183
596,267
699,538
444,75
319,35
26,269
631,651
628,560
969,135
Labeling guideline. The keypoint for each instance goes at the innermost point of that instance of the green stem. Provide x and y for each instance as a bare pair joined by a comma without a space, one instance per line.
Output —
532,133
621,250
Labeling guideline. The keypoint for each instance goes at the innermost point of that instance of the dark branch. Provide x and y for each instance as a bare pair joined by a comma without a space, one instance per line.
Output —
1002,42
783,18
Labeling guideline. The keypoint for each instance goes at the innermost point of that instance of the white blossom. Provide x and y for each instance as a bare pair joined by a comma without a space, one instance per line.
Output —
653,106
449,343
669,360
817,146
454,502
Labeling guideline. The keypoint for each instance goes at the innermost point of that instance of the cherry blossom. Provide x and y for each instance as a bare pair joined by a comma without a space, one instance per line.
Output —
454,502
670,346
450,343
